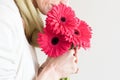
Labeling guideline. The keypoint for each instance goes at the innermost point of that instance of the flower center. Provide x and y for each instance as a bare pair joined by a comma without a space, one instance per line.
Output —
55,40
77,32
63,19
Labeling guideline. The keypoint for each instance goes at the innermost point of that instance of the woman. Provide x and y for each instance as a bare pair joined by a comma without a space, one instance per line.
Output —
20,22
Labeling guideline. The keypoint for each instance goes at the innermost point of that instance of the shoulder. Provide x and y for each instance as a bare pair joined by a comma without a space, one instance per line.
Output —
10,24
9,12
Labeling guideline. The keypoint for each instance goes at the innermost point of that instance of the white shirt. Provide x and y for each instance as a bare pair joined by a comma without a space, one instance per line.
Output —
17,57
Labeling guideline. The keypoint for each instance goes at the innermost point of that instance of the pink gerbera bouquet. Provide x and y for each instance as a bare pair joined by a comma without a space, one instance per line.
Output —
63,30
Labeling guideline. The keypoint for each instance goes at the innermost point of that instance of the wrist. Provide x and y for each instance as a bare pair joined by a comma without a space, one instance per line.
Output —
48,72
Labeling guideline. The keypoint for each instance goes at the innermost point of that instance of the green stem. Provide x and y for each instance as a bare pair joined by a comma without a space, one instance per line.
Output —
65,78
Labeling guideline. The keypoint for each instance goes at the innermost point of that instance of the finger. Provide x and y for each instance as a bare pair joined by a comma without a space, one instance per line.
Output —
74,60
76,54
77,70
72,52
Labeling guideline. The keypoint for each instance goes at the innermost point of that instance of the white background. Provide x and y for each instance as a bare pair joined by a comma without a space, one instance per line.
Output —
102,60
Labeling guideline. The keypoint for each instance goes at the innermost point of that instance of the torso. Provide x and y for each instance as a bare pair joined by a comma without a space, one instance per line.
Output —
25,60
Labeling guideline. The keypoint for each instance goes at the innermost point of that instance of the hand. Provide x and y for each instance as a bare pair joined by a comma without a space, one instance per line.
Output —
64,65
67,64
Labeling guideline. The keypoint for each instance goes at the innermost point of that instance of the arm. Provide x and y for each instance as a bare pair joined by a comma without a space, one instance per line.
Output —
7,42
7,56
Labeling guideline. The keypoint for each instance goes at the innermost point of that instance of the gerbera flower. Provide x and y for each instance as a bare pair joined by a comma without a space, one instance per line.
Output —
61,19
81,35
52,44
86,34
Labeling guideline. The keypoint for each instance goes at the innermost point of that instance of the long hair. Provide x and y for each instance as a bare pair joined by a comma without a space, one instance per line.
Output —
32,20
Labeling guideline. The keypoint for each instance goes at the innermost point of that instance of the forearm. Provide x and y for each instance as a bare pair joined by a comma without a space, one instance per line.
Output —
48,73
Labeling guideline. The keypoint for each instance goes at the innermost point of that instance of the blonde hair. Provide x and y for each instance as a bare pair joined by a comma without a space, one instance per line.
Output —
32,20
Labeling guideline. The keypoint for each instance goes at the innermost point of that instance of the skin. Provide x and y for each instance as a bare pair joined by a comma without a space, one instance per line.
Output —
60,67
45,5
